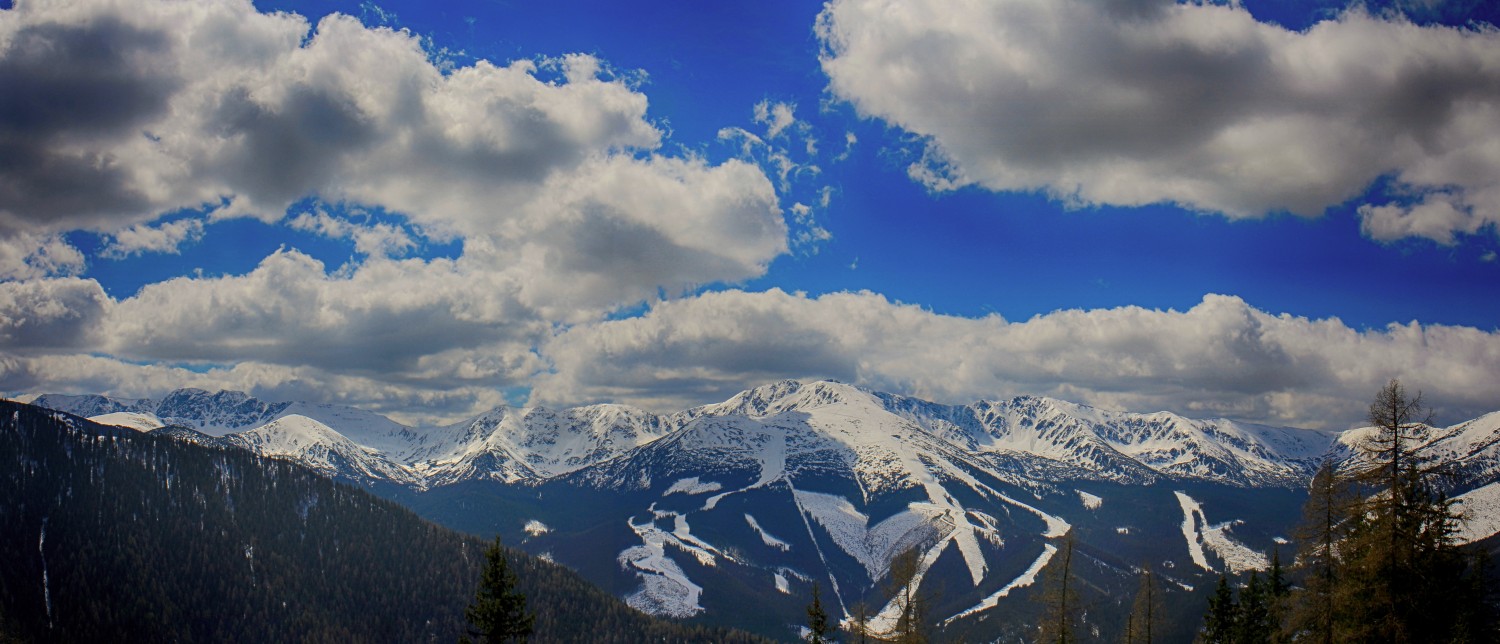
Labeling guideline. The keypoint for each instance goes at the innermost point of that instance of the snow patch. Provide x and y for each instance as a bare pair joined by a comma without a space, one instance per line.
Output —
1191,512
1200,535
1089,501
692,486
536,528
665,589
1237,556
1481,508
1027,578
782,585
872,547
137,420
766,536
1122,530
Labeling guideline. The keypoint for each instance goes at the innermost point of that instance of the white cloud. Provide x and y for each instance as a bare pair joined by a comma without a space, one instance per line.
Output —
777,117
379,239
51,314
382,319
219,105
411,403
548,173
1219,358
161,238
1193,103
30,256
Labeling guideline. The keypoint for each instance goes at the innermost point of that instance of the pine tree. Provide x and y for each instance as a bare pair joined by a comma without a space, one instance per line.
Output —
1223,615
498,613
817,619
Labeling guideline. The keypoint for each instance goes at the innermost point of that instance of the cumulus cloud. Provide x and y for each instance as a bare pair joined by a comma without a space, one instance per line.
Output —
548,173
217,106
1222,357
414,404
162,238
384,318
1132,103
31,256
51,314
380,239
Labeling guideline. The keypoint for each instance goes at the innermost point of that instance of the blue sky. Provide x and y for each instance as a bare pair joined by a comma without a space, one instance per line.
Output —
1259,211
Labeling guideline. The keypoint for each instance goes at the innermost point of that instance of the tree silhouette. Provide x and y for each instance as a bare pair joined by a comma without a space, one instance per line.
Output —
817,619
498,613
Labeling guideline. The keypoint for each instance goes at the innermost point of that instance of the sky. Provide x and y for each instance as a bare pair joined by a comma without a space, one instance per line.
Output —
1260,210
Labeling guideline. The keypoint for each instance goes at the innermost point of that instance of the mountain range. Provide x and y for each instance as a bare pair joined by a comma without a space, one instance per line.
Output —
695,513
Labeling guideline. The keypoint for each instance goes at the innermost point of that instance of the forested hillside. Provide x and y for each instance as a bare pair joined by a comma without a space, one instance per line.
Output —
114,534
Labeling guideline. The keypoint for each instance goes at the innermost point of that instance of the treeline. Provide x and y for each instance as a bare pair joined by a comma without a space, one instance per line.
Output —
1377,555
1376,559
110,534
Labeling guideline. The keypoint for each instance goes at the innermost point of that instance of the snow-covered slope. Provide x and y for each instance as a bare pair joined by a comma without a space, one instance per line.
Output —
141,421
793,483
530,444
1027,441
318,446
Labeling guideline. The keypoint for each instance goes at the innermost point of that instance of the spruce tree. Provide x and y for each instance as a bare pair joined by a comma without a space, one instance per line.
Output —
817,619
1253,616
1223,615
1278,592
498,613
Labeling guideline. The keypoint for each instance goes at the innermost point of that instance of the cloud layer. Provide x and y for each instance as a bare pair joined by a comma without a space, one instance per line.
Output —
1198,104
1222,357
147,122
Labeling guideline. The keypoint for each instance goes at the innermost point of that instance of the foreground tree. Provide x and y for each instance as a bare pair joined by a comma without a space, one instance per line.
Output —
1059,600
817,619
1405,565
1223,615
1143,625
859,622
911,621
1377,552
1328,516
498,613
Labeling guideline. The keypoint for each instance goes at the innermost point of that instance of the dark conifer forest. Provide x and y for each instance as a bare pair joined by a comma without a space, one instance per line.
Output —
113,535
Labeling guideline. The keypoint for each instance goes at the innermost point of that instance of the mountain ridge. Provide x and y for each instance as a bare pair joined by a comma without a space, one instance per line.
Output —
753,499
1049,438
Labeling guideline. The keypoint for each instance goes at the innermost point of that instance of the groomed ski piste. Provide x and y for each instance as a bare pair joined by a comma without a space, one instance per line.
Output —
1201,535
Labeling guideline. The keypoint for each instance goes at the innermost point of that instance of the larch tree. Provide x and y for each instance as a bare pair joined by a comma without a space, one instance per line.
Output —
1144,623
1408,566
1327,518
1060,605
904,580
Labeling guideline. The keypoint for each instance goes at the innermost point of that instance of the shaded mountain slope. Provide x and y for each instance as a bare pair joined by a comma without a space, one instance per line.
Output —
115,534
